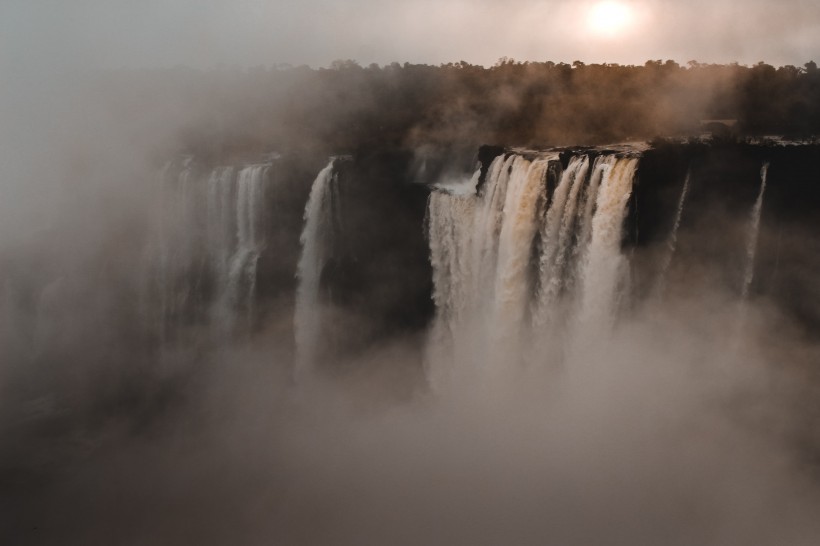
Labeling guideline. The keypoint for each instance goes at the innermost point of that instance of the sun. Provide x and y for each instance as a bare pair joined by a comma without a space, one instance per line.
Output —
609,19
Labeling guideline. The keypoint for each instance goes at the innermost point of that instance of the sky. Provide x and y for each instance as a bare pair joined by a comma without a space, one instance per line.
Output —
48,35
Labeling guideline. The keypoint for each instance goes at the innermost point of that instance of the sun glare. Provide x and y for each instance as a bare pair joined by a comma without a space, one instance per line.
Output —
609,19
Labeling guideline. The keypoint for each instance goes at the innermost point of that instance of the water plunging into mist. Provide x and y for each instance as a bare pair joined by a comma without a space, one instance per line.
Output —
557,230
754,231
481,248
220,218
319,221
672,241
221,235
210,225
491,302
604,264
249,210
514,281
176,242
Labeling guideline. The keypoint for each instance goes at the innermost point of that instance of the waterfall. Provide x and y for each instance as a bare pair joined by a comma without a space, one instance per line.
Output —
210,233
604,264
220,220
154,270
451,218
753,234
601,165
221,233
320,220
514,281
672,241
504,257
176,237
481,248
241,283
556,233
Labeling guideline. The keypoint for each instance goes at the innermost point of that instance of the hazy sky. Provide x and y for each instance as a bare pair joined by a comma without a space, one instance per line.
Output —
47,34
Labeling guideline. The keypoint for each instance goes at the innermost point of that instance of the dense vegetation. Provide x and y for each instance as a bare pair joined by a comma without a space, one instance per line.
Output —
347,106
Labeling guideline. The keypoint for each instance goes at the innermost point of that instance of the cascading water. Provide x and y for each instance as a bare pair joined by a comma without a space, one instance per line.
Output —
208,227
249,210
753,234
556,231
175,242
320,220
221,236
483,245
481,248
514,279
221,219
489,210
451,218
604,264
601,165
672,241
527,259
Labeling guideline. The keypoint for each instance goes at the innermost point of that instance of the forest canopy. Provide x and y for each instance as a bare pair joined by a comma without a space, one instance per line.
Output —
345,107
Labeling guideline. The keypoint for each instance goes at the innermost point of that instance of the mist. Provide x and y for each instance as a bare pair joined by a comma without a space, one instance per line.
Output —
450,347
655,433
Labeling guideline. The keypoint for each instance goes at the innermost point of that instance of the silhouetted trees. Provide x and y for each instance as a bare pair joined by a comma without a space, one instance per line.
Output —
346,107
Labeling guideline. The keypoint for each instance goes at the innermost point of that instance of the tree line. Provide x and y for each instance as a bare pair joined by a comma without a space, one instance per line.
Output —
345,107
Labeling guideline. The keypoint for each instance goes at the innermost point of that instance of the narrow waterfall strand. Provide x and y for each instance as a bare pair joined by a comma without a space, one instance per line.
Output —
753,235
308,316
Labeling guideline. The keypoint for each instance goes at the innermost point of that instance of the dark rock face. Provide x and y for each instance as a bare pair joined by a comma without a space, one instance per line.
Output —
725,181
728,173
379,278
